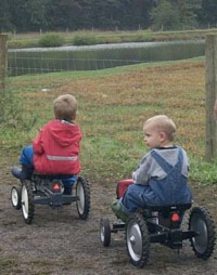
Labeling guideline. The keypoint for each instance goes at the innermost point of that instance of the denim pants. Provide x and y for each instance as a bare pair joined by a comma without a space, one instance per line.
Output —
26,156
137,196
26,159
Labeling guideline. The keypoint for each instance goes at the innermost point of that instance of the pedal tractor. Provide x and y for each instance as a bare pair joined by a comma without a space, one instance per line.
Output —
161,225
49,190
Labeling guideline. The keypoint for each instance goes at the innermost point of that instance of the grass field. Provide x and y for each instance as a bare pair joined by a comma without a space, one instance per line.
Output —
86,37
113,105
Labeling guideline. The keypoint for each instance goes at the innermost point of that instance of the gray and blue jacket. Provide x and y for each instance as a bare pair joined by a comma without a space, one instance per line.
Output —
165,171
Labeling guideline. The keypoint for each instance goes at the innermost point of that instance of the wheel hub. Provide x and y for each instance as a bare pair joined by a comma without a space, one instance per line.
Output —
134,241
200,241
14,198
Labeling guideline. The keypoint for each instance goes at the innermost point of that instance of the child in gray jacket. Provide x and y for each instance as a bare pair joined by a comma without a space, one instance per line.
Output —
162,174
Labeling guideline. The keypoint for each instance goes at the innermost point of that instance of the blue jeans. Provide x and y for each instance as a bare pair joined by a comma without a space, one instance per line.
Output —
26,159
136,197
26,156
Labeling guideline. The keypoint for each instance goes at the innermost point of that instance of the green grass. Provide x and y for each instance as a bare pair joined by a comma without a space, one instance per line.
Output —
99,37
113,104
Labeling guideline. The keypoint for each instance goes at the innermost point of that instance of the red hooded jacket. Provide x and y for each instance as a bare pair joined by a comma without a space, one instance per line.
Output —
56,148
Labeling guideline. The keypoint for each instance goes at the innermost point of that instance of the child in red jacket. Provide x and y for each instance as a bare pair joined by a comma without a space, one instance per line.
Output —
56,148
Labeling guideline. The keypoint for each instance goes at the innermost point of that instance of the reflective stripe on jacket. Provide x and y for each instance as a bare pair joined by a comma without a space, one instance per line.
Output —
56,148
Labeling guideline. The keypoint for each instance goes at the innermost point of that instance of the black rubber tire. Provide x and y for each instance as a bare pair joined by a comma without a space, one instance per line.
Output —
28,207
137,240
105,232
83,194
16,197
201,222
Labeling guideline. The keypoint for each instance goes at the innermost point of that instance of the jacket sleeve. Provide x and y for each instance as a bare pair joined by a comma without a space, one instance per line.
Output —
185,165
38,144
142,174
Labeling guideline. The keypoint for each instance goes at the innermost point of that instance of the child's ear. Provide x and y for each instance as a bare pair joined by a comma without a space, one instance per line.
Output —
163,136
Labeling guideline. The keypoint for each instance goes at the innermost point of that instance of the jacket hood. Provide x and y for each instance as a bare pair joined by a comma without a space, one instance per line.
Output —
64,133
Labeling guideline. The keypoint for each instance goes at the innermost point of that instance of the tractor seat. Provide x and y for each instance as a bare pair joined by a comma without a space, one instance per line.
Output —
51,177
169,208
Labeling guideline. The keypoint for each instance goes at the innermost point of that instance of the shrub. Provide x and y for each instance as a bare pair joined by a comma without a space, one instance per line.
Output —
24,43
51,40
84,40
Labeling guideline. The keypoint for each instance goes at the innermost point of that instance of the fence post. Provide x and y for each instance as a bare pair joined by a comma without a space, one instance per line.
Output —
211,95
3,60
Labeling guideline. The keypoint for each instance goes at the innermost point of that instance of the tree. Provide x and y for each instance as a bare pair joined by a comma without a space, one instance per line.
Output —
36,12
33,15
5,16
208,13
176,14
18,15
138,14
165,16
188,11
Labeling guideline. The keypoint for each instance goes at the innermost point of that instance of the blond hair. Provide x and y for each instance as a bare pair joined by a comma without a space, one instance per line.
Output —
162,123
65,107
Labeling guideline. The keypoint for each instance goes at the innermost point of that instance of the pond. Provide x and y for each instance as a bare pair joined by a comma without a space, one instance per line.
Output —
41,60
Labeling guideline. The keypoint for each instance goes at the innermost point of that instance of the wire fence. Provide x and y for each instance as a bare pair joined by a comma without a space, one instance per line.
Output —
31,61
34,65
36,62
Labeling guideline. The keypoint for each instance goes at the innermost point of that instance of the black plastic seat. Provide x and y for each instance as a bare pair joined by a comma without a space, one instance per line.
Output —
168,208
51,177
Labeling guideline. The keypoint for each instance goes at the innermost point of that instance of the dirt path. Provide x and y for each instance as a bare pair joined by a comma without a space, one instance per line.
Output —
57,242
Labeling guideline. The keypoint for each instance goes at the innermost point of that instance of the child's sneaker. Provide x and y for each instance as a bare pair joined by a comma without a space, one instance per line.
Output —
118,210
22,173
17,172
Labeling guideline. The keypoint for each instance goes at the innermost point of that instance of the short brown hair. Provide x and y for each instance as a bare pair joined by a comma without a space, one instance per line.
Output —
163,123
65,107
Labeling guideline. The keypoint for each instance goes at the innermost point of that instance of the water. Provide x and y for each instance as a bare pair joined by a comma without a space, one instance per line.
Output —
71,58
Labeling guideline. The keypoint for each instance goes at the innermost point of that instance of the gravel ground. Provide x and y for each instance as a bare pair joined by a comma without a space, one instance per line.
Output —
58,242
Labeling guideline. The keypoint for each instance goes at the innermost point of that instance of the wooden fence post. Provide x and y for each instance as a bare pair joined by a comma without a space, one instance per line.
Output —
3,60
211,95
